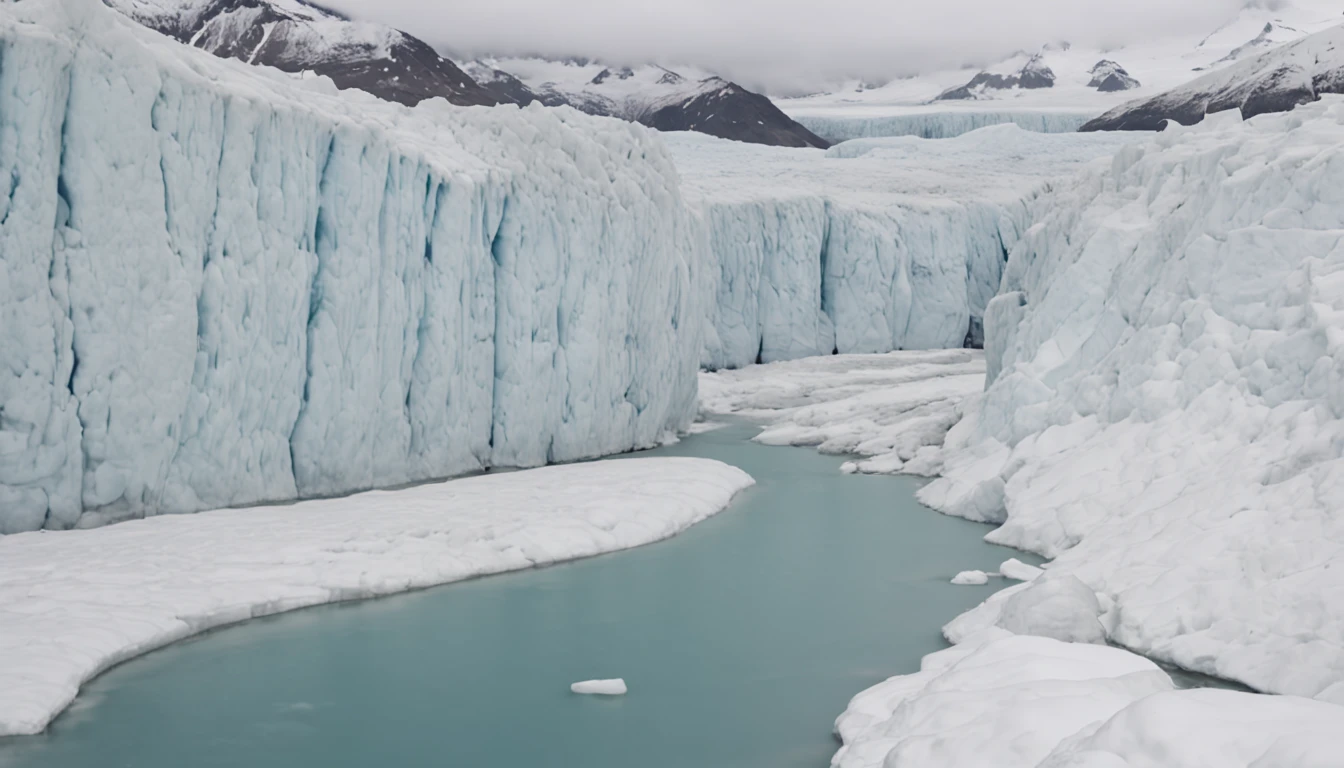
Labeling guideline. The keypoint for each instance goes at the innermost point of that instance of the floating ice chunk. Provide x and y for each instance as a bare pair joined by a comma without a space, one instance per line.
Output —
1019,571
613,687
971,578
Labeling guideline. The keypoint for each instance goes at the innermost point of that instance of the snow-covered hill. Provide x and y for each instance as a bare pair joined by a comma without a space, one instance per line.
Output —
1276,81
945,103
682,100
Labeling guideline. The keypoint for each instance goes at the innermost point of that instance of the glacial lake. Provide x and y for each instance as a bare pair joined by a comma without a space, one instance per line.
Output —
741,641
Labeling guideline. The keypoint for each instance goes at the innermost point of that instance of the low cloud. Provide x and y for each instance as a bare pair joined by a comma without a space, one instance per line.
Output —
788,45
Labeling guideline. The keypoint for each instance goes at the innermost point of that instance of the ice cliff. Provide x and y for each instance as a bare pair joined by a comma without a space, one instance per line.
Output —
1165,413
221,285
871,246
836,125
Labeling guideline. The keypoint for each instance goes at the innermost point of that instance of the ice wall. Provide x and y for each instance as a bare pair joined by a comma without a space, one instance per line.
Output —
1167,416
871,246
219,285
944,124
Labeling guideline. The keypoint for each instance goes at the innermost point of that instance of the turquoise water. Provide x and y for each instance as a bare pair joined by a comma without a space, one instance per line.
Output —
741,641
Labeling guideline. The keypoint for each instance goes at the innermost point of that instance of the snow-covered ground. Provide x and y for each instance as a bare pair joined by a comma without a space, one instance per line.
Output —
907,105
73,603
871,246
241,286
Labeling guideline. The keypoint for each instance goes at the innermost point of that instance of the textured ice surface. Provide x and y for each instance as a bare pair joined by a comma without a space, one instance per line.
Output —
1029,702
1167,420
872,246
895,408
613,687
931,124
222,285
73,603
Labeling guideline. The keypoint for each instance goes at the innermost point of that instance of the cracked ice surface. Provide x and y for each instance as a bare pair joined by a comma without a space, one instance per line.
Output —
72,603
222,285
894,409
871,246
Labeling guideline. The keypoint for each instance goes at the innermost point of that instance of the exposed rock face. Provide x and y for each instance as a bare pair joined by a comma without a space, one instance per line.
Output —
1033,74
1110,77
1277,81
730,111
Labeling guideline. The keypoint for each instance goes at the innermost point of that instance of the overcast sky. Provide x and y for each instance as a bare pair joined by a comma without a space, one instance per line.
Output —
787,45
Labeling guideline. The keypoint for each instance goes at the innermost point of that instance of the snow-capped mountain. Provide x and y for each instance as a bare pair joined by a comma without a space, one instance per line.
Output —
1031,75
681,100
1087,80
298,36
1276,81
294,36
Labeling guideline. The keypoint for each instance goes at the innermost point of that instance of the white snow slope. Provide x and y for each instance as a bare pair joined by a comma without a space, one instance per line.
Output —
870,246
73,603
1165,413
220,285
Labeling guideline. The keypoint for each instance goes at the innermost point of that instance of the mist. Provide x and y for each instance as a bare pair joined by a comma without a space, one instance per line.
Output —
787,46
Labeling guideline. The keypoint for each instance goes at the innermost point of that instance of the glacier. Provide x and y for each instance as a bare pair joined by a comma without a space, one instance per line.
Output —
838,124
223,285
868,247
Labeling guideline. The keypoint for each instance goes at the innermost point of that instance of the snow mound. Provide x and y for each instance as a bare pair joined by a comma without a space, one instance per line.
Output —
1167,417
613,687
1030,702
74,603
996,699
238,287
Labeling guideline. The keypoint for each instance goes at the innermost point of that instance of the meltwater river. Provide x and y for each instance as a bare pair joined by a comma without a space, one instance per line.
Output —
741,641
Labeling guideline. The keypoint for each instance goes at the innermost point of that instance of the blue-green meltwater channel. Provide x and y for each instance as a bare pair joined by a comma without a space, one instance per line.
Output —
741,640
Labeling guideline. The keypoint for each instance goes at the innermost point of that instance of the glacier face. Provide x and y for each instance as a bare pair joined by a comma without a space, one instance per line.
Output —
871,246
1165,416
222,286
838,126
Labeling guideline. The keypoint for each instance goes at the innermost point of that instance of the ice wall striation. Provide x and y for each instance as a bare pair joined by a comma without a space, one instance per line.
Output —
872,246
945,124
221,285
1165,416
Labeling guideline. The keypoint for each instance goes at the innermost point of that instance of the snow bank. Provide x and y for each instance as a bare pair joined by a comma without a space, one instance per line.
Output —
869,247
225,285
839,126
1167,416
75,602
895,408
1024,702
